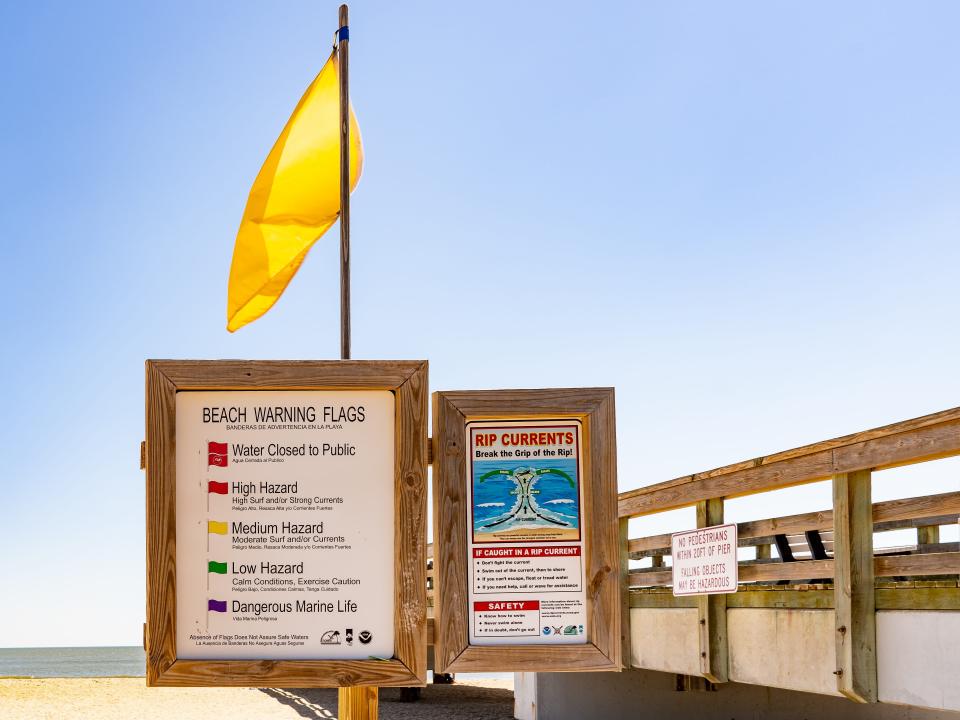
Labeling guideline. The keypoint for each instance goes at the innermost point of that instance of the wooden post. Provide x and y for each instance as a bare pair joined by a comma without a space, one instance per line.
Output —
625,592
927,535
343,43
763,551
854,600
712,609
357,703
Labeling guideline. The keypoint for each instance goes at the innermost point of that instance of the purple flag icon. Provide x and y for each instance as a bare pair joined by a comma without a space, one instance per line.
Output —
217,605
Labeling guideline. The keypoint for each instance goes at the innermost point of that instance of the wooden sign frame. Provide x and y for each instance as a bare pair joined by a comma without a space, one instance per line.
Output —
408,381
594,408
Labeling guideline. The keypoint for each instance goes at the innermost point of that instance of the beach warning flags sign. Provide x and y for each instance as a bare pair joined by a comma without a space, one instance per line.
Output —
294,200
216,455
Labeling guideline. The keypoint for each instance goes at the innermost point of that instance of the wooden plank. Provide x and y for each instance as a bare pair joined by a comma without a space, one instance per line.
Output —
787,597
603,562
940,563
945,416
645,578
947,563
928,535
161,467
624,594
712,609
921,598
529,658
645,599
410,526
925,506
287,673
489,405
917,440
940,509
286,374
855,605
449,532
928,520
357,703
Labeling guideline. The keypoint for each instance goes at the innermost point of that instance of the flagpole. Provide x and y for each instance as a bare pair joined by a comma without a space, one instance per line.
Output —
353,703
343,42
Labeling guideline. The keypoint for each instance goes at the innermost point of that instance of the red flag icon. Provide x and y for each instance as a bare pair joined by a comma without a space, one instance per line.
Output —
220,488
217,454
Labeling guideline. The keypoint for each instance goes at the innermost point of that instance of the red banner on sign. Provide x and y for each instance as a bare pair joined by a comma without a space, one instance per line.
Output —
506,606
521,552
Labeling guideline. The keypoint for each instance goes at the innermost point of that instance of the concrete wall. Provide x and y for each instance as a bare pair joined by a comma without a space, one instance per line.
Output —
789,649
650,695
665,639
918,652
918,658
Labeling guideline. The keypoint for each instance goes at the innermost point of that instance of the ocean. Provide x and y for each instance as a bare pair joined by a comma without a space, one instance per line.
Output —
72,662
96,662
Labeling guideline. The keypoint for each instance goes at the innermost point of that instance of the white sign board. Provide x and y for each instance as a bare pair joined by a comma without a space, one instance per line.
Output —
705,561
285,525
525,533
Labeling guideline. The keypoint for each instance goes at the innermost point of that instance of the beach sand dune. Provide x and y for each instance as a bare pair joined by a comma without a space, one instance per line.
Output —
129,699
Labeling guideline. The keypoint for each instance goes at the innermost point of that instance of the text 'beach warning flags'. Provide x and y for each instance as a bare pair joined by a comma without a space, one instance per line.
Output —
216,455
294,200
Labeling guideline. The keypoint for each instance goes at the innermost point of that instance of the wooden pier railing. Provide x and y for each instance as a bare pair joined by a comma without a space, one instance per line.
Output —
842,567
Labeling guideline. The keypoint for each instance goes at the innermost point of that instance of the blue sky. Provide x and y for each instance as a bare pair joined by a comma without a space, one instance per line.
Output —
743,216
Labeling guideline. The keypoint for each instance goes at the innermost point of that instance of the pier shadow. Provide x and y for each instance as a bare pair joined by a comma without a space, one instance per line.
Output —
437,702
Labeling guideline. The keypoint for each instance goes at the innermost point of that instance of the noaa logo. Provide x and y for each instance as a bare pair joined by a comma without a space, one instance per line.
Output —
365,637
546,630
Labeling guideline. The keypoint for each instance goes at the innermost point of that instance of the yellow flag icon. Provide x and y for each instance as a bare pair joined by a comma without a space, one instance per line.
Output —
214,526
294,200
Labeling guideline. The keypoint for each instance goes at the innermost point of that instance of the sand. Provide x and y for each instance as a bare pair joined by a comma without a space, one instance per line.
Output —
130,699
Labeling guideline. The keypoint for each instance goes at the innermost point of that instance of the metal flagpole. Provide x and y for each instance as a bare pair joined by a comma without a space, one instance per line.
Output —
353,703
343,42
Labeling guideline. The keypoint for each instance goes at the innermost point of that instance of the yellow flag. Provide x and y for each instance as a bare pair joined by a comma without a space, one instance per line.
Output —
214,526
293,201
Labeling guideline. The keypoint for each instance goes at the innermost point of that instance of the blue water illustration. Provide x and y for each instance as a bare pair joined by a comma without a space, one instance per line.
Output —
524,496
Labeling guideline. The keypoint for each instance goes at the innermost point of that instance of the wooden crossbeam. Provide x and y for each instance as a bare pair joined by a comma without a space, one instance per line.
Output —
919,564
940,509
911,441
